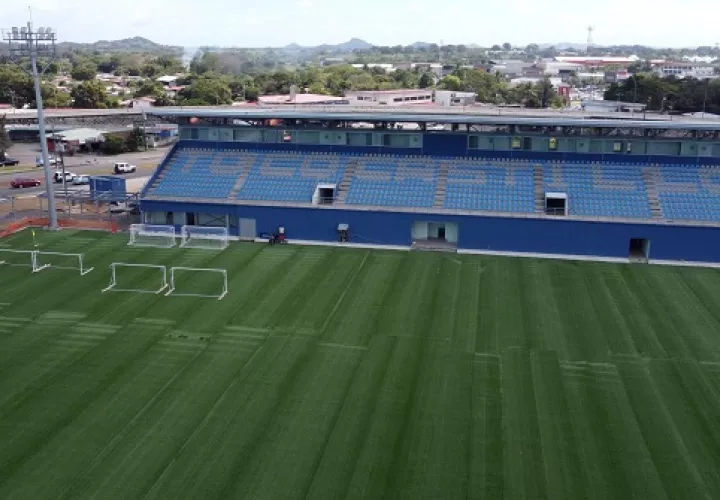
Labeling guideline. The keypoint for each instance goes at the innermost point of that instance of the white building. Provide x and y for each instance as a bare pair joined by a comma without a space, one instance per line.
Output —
552,68
388,68
685,70
167,79
451,98
402,97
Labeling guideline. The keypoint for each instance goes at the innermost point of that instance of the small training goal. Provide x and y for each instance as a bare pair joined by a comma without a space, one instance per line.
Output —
206,237
139,278
19,258
152,235
60,260
198,282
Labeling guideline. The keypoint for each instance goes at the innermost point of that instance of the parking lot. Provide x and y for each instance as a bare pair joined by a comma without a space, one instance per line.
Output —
86,164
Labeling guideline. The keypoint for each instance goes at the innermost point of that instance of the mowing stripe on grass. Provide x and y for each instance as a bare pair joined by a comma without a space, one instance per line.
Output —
679,475
524,475
485,457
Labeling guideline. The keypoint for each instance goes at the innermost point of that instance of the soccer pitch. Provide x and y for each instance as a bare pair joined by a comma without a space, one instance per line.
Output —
330,373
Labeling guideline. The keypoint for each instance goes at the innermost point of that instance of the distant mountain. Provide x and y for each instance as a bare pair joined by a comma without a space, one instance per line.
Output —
349,46
420,45
135,44
354,44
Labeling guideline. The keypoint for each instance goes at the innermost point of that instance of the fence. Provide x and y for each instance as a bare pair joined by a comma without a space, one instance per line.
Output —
80,212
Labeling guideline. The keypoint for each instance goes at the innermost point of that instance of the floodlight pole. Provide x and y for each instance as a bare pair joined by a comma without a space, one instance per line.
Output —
24,43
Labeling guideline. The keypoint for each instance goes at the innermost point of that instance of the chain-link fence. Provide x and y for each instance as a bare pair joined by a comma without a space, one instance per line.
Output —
77,209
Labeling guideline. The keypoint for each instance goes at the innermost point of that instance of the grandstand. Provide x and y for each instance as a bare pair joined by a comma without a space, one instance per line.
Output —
505,184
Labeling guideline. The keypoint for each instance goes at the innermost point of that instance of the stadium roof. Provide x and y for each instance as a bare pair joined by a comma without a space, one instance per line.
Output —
404,115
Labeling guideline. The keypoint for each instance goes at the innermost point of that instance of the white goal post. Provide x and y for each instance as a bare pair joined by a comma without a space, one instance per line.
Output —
118,286
207,237
60,260
223,289
152,235
19,258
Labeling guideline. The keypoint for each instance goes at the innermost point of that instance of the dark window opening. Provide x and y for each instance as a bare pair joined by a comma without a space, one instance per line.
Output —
190,219
326,196
555,206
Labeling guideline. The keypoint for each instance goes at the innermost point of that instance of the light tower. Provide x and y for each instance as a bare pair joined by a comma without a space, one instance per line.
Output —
26,43
590,30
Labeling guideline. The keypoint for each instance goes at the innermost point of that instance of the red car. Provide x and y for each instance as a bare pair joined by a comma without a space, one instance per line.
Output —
24,182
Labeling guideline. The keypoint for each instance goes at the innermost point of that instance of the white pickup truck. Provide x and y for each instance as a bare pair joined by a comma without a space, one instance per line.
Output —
124,168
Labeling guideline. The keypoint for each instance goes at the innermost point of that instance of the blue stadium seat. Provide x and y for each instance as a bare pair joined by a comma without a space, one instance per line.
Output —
490,187
600,190
689,192
393,181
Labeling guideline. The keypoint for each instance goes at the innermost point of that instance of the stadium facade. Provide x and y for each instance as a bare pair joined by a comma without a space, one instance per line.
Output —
552,185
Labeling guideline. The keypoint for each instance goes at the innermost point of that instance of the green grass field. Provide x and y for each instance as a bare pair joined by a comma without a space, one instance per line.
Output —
332,373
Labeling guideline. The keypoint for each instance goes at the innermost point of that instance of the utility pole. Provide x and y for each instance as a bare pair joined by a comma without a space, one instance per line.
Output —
26,43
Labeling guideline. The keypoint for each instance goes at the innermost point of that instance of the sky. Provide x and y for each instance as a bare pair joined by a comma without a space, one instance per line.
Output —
246,23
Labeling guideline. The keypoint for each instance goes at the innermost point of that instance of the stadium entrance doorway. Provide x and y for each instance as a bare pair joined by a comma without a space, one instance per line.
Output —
639,250
435,236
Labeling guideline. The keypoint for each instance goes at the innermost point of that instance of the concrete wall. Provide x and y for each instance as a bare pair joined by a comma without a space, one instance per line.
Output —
556,236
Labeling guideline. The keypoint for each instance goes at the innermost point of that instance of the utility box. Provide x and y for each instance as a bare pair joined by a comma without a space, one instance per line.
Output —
107,188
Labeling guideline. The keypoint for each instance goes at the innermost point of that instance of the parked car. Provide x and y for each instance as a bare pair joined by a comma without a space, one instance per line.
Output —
58,176
81,179
39,161
9,161
124,168
24,182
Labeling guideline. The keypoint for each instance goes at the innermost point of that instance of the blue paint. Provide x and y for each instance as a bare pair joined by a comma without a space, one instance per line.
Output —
556,236
108,187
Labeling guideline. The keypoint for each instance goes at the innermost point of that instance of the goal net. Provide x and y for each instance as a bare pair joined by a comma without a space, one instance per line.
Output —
210,238
197,282
139,278
19,258
152,235
59,260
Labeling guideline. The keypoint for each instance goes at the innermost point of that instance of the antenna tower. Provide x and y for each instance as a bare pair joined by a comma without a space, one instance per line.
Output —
590,30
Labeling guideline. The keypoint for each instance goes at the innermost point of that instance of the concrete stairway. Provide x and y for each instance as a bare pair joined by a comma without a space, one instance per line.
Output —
651,185
344,186
245,166
538,189
441,187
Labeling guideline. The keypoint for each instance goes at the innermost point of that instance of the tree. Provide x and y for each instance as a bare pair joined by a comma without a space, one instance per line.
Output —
639,67
5,141
114,144
149,88
151,70
206,92
451,82
532,49
54,97
84,71
90,95
426,80
506,46
135,141
252,94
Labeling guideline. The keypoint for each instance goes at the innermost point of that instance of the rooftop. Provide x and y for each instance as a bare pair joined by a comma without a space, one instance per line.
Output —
475,116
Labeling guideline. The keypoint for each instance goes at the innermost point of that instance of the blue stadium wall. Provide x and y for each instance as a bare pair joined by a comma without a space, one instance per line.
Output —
553,236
